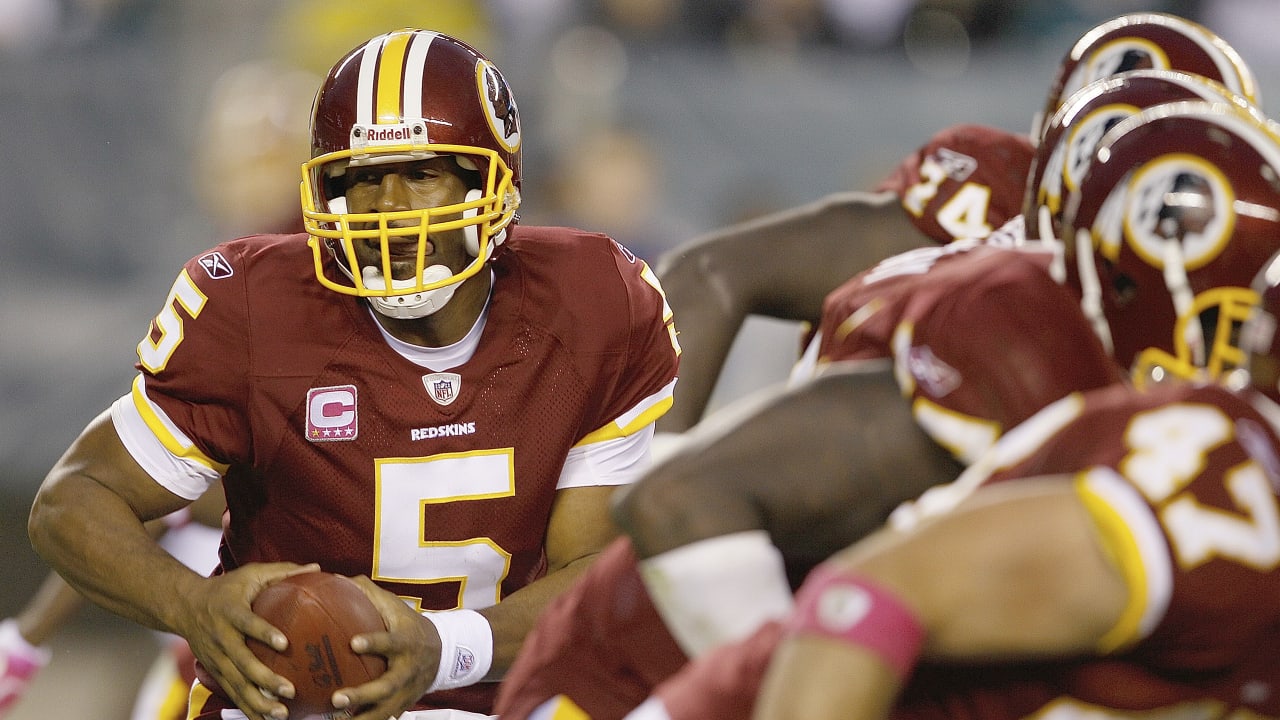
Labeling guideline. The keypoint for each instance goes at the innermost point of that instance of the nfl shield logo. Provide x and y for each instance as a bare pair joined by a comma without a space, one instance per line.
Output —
442,387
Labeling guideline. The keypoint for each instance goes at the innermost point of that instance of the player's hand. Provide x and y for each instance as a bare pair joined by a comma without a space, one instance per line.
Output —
19,664
412,649
219,616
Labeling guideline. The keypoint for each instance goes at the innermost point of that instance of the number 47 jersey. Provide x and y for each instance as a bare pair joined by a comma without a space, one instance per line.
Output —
1183,484
338,449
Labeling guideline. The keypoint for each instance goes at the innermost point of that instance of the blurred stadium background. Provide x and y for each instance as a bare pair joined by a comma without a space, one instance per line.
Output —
137,132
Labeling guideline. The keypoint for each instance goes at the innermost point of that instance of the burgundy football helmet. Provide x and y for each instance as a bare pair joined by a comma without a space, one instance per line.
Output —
1146,40
1258,337
1072,133
1179,209
407,95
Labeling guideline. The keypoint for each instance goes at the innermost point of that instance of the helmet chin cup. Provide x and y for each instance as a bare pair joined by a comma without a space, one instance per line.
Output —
472,232
409,306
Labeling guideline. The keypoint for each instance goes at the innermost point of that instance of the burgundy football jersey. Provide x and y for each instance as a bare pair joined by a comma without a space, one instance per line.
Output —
1202,633
966,181
1205,463
338,450
981,337
989,339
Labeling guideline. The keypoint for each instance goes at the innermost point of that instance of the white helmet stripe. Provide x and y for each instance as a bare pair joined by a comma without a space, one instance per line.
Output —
364,91
1235,74
413,71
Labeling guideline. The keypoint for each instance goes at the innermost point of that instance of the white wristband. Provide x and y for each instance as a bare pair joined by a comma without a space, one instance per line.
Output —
466,648
718,590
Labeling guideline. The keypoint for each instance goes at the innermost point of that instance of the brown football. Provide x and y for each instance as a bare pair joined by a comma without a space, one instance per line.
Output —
319,612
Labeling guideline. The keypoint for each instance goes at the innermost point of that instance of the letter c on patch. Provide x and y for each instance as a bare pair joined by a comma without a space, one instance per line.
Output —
332,408
331,413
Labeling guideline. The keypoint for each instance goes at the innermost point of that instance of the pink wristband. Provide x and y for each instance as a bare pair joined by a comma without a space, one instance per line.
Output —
840,605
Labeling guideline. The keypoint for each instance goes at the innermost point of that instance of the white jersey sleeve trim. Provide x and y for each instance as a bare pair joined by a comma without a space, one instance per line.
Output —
180,474
619,461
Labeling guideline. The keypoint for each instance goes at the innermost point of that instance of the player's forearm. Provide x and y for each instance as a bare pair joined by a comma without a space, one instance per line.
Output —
94,540
816,679
513,618
709,312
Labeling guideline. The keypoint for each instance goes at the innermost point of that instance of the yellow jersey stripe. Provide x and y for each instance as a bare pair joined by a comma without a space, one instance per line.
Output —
173,439
1130,536
560,707
645,412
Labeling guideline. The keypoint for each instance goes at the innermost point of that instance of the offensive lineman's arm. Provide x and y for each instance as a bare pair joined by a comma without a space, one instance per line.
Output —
780,265
1023,575
761,491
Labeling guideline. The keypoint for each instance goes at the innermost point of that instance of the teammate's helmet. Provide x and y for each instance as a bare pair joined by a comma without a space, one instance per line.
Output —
1258,337
408,95
1072,133
1146,40
1179,209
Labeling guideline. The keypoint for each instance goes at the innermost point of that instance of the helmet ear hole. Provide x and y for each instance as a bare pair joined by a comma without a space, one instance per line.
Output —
472,232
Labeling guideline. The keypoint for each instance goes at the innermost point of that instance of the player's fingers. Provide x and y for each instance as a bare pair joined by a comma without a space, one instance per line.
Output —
249,581
382,698
410,646
405,680
257,673
234,624
406,631
246,694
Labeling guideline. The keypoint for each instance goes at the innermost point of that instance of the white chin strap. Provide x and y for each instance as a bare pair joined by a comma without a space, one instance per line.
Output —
1091,289
411,305
1179,286
1057,266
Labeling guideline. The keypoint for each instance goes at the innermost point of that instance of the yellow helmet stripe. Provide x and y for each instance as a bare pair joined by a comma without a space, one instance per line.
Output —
391,77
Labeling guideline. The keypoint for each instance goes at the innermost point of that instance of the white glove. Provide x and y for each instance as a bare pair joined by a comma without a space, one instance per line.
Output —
19,663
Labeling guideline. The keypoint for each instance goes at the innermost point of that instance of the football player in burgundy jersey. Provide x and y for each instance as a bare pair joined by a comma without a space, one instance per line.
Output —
418,392
1179,484
1136,571
965,182
936,341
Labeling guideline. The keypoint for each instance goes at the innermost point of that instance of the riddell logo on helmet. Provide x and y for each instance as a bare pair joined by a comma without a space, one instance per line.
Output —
398,134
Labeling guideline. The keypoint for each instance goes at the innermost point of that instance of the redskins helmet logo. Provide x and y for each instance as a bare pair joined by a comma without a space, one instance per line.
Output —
1113,58
1070,160
1179,197
499,105
1084,140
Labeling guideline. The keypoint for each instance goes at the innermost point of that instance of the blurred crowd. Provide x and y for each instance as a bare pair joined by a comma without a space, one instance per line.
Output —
140,130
